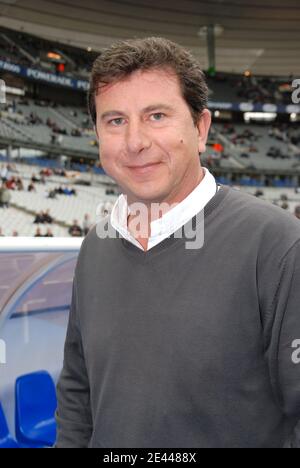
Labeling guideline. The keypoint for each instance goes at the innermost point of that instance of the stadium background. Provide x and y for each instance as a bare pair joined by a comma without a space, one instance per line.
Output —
52,186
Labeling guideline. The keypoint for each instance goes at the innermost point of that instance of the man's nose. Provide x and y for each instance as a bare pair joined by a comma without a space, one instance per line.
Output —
137,138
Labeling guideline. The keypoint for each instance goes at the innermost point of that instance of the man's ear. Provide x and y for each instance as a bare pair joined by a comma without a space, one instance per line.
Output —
203,127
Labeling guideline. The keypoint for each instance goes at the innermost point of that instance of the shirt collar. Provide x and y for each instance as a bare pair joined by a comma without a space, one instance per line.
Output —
173,219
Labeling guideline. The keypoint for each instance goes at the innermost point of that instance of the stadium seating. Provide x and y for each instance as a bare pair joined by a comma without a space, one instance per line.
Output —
64,209
45,124
245,152
6,441
28,50
35,409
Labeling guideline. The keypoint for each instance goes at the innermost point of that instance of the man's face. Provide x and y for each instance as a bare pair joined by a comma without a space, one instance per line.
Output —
149,143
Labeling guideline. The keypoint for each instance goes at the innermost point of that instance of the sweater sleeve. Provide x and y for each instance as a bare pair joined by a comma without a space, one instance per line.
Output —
73,415
285,341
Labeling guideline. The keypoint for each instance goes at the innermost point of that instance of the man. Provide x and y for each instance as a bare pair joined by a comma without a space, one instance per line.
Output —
87,224
297,211
5,197
75,230
170,344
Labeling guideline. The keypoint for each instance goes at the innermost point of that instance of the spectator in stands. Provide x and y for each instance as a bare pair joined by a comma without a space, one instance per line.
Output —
60,172
4,173
19,184
46,172
297,211
39,218
5,197
15,234
59,190
52,194
67,191
76,132
75,230
43,217
32,119
49,233
35,179
87,224
47,217
38,232
31,187
11,183
1,232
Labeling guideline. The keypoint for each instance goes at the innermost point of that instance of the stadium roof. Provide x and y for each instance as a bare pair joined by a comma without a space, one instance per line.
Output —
261,36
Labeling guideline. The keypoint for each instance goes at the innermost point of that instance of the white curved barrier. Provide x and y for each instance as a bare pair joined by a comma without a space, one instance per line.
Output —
35,292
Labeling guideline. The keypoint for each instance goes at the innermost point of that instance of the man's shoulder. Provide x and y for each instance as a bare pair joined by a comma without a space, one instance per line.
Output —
262,216
99,237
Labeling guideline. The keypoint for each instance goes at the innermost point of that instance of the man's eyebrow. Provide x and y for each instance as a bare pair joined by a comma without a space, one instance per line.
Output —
159,106
151,108
111,113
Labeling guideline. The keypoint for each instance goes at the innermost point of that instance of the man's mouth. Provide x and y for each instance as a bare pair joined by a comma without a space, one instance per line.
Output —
144,168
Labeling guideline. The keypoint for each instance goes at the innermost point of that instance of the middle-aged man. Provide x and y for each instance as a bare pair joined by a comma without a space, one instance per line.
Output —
170,345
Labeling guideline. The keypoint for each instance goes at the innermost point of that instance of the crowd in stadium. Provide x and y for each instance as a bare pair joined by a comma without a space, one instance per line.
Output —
15,183
14,111
261,90
277,132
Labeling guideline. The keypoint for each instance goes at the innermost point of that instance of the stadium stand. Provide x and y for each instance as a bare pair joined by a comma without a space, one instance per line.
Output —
261,146
65,202
48,124
25,49
251,89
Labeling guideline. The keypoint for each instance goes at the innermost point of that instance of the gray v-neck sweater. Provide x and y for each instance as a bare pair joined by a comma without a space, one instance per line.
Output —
180,347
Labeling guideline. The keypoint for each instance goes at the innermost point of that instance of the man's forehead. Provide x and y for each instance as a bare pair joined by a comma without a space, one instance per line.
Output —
159,77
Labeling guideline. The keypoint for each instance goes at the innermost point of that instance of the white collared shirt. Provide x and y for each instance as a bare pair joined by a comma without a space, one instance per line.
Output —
170,221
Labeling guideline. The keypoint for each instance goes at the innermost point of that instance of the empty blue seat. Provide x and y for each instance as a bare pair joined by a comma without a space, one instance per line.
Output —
35,409
6,441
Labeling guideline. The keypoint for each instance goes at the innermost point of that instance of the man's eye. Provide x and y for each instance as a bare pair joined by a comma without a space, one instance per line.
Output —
157,116
116,122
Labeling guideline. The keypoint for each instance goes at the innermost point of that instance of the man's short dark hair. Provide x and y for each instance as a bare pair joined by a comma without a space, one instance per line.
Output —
125,57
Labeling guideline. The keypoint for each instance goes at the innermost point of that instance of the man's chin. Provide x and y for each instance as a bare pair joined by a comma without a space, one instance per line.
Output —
146,197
